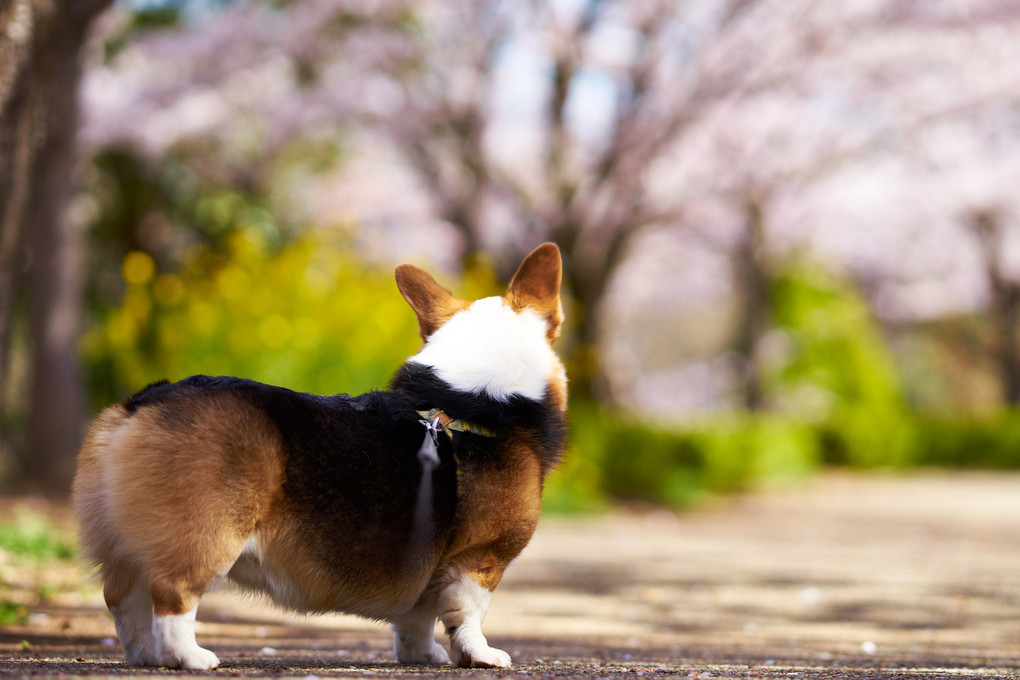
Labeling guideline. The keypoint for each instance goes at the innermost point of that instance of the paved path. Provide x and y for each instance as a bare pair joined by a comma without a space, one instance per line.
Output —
848,577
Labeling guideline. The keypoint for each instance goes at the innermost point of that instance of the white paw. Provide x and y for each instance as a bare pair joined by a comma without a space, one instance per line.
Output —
483,657
428,653
141,657
194,659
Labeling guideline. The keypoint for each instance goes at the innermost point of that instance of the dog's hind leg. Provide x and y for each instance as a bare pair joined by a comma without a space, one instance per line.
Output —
126,591
176,587
174,635
185,487
175,603
414,638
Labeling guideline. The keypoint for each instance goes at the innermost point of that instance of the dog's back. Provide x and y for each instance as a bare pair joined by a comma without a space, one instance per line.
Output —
316,493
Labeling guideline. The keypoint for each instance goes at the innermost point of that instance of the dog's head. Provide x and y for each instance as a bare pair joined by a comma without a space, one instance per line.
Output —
499,346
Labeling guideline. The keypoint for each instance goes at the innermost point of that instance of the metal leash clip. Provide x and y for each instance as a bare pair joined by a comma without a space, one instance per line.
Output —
428,454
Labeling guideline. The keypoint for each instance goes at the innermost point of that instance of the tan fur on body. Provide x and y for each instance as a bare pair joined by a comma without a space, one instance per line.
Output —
178,495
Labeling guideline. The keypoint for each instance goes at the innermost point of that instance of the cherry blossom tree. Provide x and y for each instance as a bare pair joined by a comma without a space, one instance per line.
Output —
750,168
521,122
595,123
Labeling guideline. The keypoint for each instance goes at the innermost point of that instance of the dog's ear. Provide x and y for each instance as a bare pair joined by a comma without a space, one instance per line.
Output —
537,285
432,304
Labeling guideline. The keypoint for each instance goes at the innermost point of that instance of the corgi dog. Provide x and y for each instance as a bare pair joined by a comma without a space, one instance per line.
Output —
404,505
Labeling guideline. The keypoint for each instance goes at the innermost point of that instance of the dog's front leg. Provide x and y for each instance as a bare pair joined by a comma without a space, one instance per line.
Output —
463,603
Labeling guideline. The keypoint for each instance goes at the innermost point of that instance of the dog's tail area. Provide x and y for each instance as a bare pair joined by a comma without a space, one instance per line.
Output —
90,493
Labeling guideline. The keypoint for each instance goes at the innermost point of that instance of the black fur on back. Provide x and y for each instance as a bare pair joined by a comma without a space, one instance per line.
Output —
309,421
145,395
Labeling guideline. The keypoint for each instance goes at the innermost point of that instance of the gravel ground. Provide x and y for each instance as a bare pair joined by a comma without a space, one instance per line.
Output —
848,577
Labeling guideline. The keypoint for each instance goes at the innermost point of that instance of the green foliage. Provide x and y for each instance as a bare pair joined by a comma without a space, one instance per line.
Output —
577,485
836,344
308,315
676,467
989,441
630,460
839,372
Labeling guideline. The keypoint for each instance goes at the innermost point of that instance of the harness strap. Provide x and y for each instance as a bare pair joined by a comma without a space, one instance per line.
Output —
439,421
436,421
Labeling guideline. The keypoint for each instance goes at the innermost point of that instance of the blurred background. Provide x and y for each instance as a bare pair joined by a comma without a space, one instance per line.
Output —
790,226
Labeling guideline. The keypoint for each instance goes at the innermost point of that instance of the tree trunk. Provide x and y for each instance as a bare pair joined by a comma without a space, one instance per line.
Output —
40,106
589,269
17,136
585,364
1004,305
753,280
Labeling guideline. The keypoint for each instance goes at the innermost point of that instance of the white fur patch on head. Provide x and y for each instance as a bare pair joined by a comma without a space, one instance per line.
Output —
489,348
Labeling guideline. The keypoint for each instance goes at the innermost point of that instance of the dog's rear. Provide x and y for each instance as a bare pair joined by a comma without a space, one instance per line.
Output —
157,484
91,497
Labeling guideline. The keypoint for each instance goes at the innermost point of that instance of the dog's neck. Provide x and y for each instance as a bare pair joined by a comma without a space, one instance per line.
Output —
424,391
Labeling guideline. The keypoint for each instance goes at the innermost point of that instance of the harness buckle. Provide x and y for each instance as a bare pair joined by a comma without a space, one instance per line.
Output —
428,454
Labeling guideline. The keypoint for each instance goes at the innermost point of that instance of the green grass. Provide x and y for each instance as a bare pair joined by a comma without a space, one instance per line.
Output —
13,614
33,537
29,544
